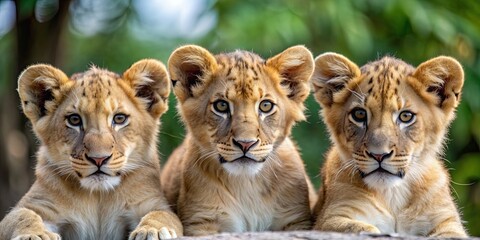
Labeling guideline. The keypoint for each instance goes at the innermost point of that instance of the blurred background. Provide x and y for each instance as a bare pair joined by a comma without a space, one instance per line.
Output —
75,34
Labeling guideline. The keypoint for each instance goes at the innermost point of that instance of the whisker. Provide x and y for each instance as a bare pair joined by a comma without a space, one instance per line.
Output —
344,167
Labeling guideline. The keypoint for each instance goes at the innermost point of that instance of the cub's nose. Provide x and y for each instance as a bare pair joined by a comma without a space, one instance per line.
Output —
380,156
98,161
244,145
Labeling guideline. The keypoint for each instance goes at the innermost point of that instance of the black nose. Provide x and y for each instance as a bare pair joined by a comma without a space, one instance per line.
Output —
98,161
380,157
244,145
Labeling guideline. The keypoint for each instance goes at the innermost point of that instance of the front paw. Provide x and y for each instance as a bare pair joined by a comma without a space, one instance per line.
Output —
151,233
46,235
346,226
363,228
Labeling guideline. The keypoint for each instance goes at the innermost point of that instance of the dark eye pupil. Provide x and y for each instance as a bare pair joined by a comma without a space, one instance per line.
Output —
359,114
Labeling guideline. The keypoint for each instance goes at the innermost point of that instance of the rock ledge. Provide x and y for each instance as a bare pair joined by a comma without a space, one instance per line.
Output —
304,235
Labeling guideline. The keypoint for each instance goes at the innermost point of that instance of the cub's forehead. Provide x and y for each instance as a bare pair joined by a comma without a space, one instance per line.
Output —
383,83
94,72
386,69
239,58
242,74
97,91
95,83
383,78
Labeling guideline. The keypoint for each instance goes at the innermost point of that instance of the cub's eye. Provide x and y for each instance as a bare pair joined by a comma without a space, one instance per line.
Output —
359,115
406,117
266,106
120,118
74,120
221,106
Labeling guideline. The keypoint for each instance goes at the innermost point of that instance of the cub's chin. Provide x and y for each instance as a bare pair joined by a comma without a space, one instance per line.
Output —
100,182
242,166
382,179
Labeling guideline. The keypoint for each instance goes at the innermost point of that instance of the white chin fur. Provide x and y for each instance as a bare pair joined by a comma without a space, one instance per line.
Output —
100,182
382,180
245,169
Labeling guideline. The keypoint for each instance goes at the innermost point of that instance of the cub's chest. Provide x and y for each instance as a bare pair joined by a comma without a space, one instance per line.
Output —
98,220
248,209
404,223
395,215
401,223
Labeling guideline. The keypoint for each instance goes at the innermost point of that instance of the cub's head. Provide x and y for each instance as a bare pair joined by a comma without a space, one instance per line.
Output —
96,126
388,119
237,106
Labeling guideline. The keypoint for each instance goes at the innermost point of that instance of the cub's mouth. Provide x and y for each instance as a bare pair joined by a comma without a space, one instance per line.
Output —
242,166
98,173
241,160
382,171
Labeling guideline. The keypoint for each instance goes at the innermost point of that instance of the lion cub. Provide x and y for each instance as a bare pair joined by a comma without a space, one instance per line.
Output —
97,173
237,169
387,121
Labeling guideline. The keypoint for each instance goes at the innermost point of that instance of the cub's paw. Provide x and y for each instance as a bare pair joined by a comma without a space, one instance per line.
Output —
365,228
38,236
346,226
150,233
450,234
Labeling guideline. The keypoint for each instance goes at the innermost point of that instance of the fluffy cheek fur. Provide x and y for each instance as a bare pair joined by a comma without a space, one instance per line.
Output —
274,128
137,145
193,110
334,117
59,142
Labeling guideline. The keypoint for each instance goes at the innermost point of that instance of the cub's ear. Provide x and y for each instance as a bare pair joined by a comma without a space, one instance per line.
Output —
442,78
40,88
190,66
332,73
295,66
149,79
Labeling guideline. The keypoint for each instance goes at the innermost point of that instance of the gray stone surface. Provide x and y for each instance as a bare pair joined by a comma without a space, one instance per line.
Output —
303,235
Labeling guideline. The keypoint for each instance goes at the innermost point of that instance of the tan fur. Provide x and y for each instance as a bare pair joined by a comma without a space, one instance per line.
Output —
212,185
412,195
68,199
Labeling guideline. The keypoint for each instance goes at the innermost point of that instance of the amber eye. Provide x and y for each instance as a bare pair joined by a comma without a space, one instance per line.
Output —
74,120
221,106
359,115
266,106
120,118
406,117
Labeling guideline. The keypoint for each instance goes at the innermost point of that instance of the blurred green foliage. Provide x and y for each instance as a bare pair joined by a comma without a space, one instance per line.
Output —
362,30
